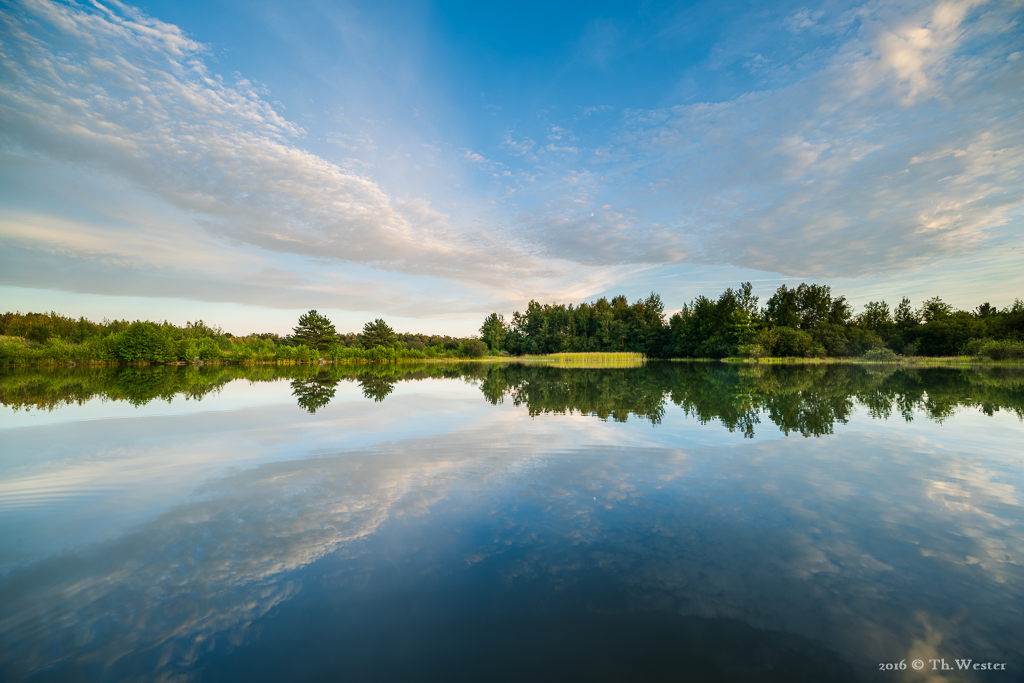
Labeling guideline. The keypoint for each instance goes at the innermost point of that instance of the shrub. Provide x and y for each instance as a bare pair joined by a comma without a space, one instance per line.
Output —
881,355
98,350
208,349
56,351
796,343
186,350
13,353
974,347
752,351
474,348
145,342
1003,350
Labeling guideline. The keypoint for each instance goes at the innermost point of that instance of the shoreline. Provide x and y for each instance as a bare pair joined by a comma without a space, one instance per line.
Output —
576,360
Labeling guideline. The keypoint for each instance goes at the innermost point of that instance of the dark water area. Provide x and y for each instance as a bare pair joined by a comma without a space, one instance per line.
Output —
673,521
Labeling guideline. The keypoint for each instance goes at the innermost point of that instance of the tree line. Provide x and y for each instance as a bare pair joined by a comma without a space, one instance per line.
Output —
803,321
51,338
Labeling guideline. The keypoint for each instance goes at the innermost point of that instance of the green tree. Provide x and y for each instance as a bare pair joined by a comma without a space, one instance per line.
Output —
935,309
494,331
315,331
144,341
986,310
904,315
876,317
813,304
781,309
378,333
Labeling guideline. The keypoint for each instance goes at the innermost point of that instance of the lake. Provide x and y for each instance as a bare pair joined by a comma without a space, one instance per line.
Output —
481,522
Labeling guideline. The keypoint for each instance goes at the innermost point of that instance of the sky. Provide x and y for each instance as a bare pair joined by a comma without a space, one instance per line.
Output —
429,163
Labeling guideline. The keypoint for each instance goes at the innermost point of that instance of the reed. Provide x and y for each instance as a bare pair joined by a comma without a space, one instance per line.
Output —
596,357
903,361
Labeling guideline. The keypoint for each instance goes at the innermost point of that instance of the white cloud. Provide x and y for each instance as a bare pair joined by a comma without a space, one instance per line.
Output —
123,94
517,147
899,144
905,147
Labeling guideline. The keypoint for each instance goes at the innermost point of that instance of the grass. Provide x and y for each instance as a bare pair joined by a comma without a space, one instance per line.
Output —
595,359
899,360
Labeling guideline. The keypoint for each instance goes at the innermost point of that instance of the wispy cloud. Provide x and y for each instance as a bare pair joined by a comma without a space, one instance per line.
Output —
126,95
894,140
904,147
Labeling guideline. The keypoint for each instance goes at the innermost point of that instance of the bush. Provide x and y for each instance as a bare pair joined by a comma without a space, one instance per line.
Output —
13,353
304,354
882,355
208,350
974,347
98,350
1003,350
785,341
474,348
145,342
186,350
56,351
751,351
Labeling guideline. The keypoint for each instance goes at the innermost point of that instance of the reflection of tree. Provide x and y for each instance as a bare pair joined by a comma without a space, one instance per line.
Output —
376,387
807,399
314,392
607,393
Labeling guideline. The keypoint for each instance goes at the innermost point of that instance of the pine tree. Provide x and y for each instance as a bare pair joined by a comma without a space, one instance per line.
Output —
315,331
378,333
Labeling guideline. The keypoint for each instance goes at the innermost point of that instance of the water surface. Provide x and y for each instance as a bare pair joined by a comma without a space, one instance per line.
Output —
677,521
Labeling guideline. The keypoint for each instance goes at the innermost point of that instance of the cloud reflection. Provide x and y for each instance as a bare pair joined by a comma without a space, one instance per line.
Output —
864,543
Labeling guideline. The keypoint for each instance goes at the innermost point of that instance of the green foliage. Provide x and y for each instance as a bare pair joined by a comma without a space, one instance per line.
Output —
876,317
315,331
808,321
904,316
935,309
882,355
144,342
1002,350
707,328
494,331
600,326
805,321
474,348
378,333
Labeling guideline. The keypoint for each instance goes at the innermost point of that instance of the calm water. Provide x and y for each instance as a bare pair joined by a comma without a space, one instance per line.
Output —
671,522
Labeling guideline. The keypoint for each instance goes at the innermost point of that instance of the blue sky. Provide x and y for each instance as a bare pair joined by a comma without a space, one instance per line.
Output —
428,163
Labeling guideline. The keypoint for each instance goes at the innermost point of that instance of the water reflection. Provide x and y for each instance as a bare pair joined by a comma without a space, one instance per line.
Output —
499,546
314,391
808,400
820,558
